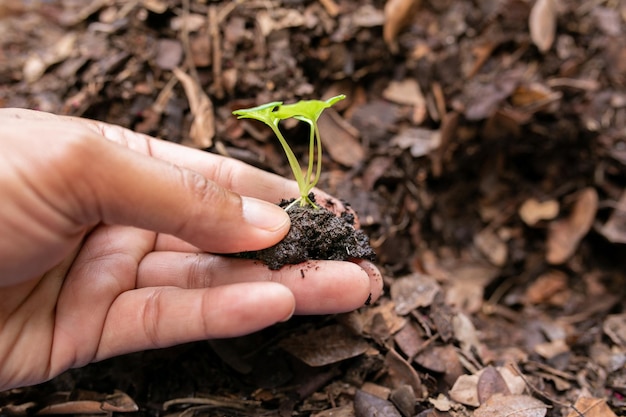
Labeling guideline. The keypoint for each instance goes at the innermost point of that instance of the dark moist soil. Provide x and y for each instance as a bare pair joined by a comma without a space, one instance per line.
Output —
315,233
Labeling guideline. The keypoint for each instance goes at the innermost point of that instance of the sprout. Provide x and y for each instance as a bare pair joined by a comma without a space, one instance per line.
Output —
307,111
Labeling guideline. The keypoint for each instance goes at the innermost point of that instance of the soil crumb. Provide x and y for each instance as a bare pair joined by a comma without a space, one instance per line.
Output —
315,234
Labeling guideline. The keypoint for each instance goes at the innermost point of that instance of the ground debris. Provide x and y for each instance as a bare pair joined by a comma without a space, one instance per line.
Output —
481,144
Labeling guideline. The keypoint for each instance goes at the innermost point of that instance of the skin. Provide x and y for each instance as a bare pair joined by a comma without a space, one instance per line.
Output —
109,244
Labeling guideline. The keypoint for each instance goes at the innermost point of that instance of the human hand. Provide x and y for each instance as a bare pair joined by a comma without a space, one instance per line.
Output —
108,241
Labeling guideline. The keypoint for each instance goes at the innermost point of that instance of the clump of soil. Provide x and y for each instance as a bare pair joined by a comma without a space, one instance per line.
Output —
316,233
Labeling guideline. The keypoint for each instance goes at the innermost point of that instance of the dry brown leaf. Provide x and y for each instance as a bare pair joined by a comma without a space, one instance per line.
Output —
413,291
552,349
368,405
532,211
410,339
420,141
564,235
340,139
591,407
492,247
615,228
542,24
490,383
614,327
408,92
398,13
545,287
401,372
362,321
343,411
203,127
330,344
37,64
464,390
465,333
468,285
511,406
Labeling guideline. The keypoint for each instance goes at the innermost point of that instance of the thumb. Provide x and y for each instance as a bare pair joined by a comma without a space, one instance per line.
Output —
131,188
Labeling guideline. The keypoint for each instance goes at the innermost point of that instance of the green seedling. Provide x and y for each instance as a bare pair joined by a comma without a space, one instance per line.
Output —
307,111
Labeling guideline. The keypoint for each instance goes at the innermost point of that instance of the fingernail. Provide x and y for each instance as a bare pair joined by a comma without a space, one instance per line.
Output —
290,315
263,215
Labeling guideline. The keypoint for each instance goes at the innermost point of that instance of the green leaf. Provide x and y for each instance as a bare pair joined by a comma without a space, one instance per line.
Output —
306,110
265,113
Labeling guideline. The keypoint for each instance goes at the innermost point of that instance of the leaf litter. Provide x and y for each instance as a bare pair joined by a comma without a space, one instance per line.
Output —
481,144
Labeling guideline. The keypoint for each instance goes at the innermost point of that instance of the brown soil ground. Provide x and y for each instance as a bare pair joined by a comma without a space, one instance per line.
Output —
482,144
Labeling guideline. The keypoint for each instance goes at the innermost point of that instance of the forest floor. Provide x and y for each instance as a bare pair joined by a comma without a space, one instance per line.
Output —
481,143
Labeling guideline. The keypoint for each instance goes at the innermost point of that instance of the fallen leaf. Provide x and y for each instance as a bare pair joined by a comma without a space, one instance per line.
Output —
490,383
408,92
614,327
203,127
464,390
343,411
591,407
552,349
469,280
491,246
330,344
511,406
442,359
465,332
368,405
413,291
419,141
615,227
341,139
37,64
546,286
542,24
532,211
564,235
404,399
398,13
401,372
169,54
410,339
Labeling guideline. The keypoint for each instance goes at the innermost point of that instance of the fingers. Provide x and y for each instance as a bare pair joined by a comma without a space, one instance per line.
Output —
319,287
126,187
158,317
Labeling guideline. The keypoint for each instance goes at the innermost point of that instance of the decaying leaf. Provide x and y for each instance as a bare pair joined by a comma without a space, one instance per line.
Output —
401,372
368,405
419,141
564,235
469,280
408,92
464,390
398,13
340,139
491,246
330,344
591,407
92,403
532,211
511,406
203,126
413,291
542,24
490,383
615,228
36,64
546,286
615,327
